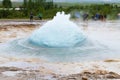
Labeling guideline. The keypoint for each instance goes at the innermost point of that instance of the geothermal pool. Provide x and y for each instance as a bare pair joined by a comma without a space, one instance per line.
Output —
64,41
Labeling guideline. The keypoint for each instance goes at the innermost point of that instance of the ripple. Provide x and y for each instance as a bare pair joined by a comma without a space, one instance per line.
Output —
22,47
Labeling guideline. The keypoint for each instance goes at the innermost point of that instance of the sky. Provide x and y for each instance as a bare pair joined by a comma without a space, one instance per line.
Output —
76,0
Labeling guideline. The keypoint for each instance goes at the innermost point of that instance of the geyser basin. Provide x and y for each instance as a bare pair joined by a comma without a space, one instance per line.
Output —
61,40
59,32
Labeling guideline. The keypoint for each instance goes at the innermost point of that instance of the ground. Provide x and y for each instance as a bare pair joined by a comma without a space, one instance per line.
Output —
37,69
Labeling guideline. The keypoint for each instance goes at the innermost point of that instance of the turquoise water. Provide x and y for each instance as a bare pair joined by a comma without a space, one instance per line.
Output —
24,48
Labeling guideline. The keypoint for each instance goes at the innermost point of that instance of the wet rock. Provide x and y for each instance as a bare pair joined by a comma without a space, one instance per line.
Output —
72,78
2,69
87,72
112,75
101,72
87,75
110,60
84,78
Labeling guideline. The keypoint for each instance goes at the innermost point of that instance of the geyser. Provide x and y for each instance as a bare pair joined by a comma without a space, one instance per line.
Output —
59,32
59,40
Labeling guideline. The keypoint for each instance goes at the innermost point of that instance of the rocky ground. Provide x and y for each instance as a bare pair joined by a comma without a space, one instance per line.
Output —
12,31
87,75
26,70
36,69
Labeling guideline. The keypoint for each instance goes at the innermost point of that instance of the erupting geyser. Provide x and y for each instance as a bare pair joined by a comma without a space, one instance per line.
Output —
59,32
58,40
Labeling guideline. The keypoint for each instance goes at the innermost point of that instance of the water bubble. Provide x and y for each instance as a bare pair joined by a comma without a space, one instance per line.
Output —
59,32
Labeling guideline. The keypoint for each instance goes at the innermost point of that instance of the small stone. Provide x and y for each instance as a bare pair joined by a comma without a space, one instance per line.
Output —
84,78
86,72
72,78
101,72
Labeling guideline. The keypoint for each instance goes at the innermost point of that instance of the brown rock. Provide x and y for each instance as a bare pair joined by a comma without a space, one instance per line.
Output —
71,78
113,75
84,78
101,72
9,69
87,72
110,60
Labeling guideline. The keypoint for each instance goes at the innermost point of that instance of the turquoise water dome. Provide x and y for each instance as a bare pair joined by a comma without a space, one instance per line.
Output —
59,32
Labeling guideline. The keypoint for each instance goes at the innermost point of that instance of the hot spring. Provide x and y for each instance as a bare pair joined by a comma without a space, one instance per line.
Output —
59,40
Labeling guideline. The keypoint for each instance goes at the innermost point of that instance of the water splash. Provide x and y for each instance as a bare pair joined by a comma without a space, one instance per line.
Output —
59,32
